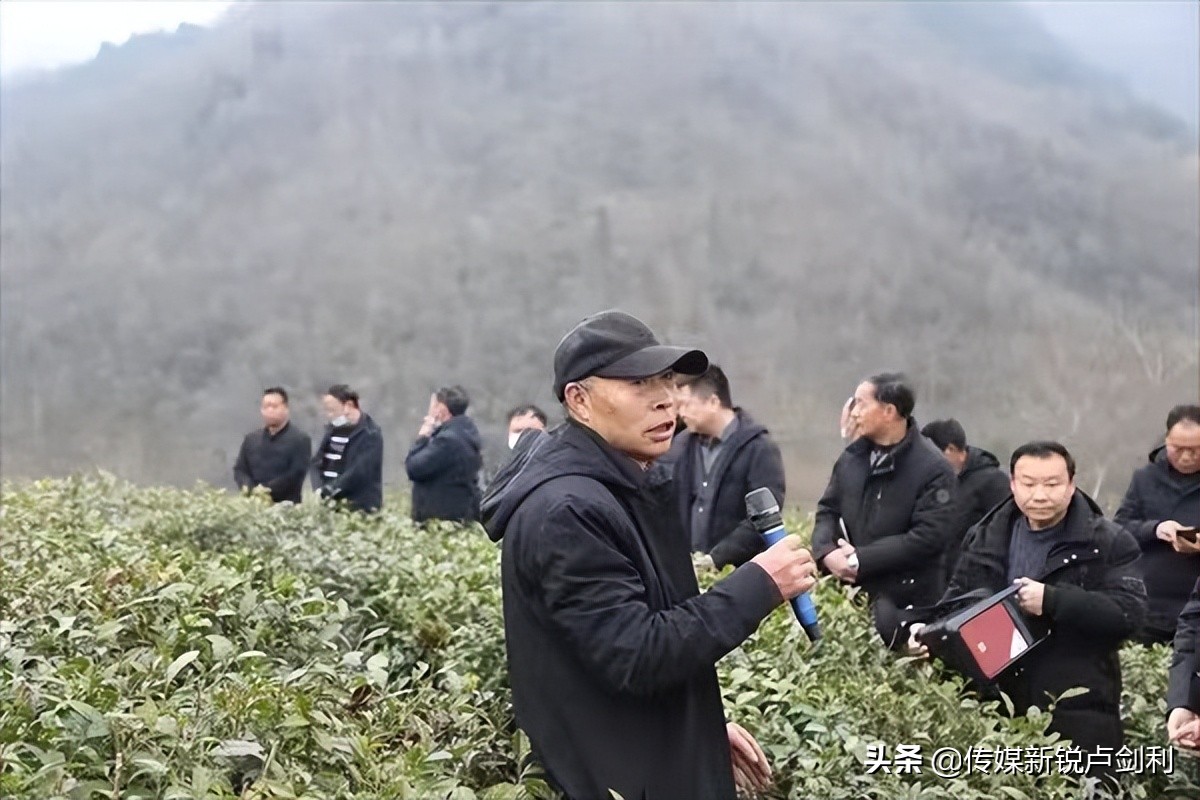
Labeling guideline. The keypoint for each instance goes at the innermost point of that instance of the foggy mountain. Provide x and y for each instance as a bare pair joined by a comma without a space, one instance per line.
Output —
401,196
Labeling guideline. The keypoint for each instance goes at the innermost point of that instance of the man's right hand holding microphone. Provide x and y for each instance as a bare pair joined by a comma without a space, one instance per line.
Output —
790,565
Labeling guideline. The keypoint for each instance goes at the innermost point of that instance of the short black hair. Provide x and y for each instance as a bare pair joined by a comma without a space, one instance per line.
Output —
946,432
711,381
279,390
454,398
892,388
1183,412
1042,449
343,394
528,408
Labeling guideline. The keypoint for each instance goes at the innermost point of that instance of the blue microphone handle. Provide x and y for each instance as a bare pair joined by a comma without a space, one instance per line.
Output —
802,604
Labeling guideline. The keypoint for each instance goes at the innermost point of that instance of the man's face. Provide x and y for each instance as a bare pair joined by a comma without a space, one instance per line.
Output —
636,417
1042,488
334,408
1183,447
956,457
699,413
523,422
870,415
274,411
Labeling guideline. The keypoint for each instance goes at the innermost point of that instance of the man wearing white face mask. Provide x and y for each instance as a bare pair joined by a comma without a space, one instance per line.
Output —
522,419
348,465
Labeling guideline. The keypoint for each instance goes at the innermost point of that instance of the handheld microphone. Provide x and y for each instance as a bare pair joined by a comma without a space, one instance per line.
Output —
765,516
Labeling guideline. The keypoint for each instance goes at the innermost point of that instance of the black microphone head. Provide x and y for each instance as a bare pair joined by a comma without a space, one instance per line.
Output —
760,502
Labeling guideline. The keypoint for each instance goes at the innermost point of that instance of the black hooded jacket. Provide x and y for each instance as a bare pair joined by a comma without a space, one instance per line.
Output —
360,482
1093,600
444,470
981,487
899,516
748,461
1156,493
611,646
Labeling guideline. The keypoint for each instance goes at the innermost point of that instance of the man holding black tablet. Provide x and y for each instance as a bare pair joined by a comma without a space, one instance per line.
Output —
1076,571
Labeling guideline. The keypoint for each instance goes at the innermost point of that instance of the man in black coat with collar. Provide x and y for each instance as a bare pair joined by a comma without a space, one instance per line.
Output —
445,460
1164,497
887,515
276,455
1078,572
611,646
723,455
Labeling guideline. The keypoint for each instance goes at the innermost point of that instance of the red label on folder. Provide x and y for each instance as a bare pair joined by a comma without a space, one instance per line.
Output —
993,639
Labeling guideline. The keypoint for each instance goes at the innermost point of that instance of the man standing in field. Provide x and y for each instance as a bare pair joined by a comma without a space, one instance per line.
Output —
611,646
276,455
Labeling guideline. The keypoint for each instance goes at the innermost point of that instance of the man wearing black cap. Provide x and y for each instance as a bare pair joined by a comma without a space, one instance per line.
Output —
611,647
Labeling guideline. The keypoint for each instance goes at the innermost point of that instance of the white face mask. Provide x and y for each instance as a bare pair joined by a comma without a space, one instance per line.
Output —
512,439
340,421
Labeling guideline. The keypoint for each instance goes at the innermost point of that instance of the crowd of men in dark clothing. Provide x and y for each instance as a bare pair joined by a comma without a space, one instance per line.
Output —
611,645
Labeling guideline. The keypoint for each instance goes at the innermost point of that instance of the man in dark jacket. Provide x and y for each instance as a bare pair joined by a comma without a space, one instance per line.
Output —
611,647
887,514
276,455
348,466
981,484
1183,692
1163,497
1077,571
723,455
444,461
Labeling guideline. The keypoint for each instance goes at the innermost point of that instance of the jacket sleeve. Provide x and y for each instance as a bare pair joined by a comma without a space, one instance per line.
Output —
595,598
1115,610
739,546
827,525
1184,688
293,477
428,457
367,462
933,519
1132,516
743,542
241,468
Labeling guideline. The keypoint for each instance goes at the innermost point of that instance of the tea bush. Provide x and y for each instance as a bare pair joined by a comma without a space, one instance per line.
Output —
159,643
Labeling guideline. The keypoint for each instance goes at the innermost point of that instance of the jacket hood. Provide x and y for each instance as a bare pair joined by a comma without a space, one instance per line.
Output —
1159,454
569,449
978,458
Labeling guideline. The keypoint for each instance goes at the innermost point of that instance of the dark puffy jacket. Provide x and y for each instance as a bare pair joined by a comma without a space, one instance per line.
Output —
981,487
611,646
1184,688
1156,493
444,470
277,462
1093,601
899,516
748,461
360,483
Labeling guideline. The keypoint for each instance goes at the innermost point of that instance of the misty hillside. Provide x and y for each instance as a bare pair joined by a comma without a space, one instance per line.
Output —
401,196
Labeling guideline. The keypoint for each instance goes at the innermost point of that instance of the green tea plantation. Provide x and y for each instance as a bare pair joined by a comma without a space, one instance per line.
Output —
159,643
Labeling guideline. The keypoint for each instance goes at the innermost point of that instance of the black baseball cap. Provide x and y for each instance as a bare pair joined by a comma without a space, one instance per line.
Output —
613,344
